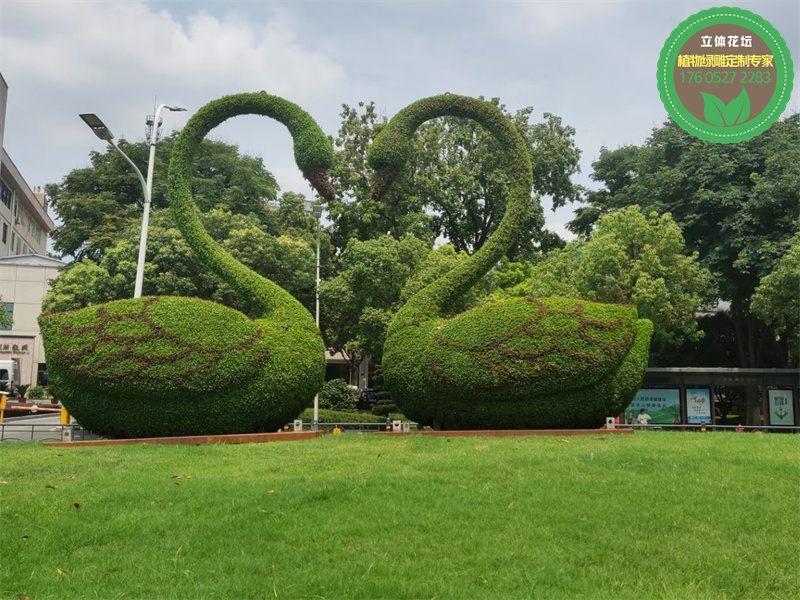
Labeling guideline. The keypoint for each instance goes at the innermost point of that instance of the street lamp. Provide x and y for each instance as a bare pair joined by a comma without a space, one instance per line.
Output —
101,131
317,212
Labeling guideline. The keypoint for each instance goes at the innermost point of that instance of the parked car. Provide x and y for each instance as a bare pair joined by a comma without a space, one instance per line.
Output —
366,399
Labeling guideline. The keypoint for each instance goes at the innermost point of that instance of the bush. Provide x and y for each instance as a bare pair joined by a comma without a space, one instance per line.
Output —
518,363
22,389
336,394
38,393
384,408
181,366
335,416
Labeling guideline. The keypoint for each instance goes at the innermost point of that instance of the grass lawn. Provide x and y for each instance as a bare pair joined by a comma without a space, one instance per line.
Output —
649,515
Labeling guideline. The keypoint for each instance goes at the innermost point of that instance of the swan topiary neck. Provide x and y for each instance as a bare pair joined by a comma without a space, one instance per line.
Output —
313,153
392,149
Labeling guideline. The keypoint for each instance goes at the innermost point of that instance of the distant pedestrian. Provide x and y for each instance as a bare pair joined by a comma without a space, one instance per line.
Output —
643,418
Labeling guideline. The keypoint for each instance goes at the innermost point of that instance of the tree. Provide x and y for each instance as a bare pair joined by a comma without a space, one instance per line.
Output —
95,204
630,259
776,298
354,213
736,205
455,185
359,302
462,177
172,268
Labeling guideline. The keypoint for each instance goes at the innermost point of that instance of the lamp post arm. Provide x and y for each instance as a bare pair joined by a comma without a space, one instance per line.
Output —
132,164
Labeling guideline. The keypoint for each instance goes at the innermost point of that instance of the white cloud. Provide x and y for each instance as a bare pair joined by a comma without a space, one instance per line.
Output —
81,44
112,58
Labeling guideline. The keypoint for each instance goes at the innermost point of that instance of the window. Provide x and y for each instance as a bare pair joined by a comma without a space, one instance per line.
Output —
5,233
5,195
9,306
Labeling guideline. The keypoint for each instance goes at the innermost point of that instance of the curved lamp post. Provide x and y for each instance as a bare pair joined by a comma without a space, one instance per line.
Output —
101,131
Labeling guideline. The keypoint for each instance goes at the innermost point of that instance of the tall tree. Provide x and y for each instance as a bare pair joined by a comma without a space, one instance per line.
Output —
455,184
359,302
95,204
777,300
736,205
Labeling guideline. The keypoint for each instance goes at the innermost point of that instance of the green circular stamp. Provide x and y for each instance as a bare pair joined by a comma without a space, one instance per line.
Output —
725,75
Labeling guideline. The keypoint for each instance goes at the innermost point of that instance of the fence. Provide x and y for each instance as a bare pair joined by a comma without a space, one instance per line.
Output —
44,432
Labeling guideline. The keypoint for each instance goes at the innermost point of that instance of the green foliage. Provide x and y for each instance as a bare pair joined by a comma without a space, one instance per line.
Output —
335,416
736,206
516,363
22,389
384,408
38,393
171,268
5,318
776,297
336,394
177,366
453,180
97,204
360,301
633,259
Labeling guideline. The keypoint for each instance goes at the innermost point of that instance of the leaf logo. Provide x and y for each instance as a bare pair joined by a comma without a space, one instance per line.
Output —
735,113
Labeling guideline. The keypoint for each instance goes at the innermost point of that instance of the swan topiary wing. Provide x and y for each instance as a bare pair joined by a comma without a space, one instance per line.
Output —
158,343
546,344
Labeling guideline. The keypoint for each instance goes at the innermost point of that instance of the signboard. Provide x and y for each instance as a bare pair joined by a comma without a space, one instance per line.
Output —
663,406
698,405
781,407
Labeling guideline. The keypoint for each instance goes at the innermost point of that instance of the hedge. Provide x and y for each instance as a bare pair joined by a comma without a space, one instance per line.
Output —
337,416
181,366
517,363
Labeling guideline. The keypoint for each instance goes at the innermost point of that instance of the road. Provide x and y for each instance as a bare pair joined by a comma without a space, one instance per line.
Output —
25,429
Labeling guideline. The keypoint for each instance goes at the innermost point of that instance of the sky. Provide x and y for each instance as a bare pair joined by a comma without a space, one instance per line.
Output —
593,63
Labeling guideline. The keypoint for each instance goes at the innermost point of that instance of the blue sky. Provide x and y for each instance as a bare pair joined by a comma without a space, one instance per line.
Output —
592,63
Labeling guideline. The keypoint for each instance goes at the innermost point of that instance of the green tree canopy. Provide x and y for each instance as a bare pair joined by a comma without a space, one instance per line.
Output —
358,303
455,184
171,267
777,298
630,259
736,205
96,204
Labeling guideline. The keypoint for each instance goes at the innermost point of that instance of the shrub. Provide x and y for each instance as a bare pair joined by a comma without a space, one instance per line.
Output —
23,389
38,393
384,408
335,416
336,394
517,363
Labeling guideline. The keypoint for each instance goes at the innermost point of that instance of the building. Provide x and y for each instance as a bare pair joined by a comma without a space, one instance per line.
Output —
24,282
24,269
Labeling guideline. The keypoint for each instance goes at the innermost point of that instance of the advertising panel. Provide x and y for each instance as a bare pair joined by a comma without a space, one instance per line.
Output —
698,405
781,407
663,406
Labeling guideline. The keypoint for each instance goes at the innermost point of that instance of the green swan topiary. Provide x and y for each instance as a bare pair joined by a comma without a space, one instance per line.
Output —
159,366
511,364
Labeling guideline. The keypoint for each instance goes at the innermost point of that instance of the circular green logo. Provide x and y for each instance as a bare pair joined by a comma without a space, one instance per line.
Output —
725,75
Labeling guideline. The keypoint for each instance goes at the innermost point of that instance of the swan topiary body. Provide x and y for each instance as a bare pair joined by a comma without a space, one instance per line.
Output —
158,366
516,363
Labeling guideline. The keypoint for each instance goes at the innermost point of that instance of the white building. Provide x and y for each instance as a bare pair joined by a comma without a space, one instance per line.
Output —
24,269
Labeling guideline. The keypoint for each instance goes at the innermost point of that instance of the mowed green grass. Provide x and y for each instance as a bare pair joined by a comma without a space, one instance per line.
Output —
649,515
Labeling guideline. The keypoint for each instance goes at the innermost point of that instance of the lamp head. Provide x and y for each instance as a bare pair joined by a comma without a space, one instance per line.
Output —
96,125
